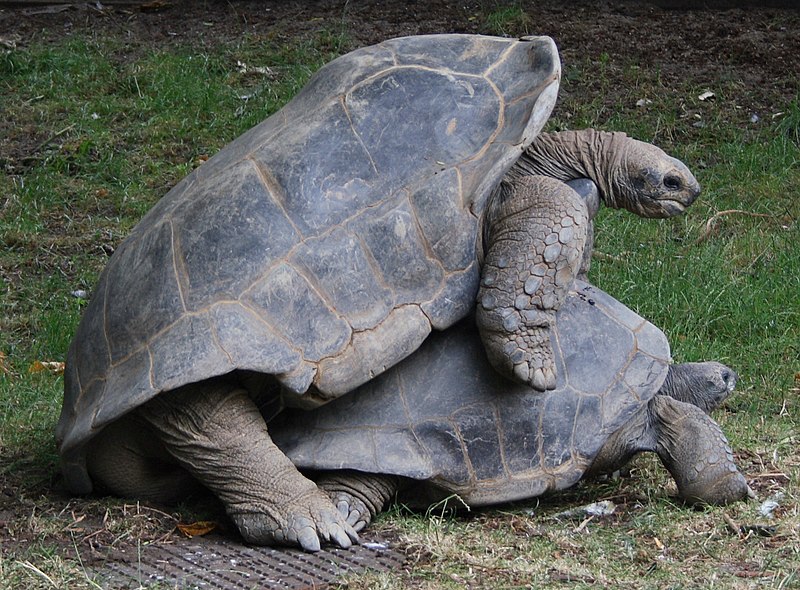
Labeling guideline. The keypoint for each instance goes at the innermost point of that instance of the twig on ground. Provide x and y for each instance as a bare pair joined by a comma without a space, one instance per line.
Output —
32,568
35,150
747,530
606,257
711,223
733,526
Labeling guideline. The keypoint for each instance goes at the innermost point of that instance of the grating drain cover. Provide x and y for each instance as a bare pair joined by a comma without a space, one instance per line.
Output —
210,563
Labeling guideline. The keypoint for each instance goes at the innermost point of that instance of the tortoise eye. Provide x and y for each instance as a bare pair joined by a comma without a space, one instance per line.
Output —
673,183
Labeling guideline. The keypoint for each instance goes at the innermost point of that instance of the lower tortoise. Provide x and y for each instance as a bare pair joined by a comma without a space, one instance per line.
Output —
443,423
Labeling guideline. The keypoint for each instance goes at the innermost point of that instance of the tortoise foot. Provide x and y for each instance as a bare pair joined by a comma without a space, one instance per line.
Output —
352,509
723,490
306,522
525,355
214,431
537,367
359,496
695,451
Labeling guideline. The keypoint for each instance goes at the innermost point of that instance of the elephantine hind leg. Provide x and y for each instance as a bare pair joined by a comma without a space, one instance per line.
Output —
536,235
128,460
215,431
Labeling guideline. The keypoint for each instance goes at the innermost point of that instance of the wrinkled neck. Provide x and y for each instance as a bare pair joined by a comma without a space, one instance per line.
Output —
569,155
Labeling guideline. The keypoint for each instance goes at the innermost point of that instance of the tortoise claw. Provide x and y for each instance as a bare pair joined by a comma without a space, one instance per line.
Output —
306,526
543,379
353,510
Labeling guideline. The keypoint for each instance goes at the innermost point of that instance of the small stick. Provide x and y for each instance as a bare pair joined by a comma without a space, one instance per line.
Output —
581,527
713,219
603,256
733,526
48,140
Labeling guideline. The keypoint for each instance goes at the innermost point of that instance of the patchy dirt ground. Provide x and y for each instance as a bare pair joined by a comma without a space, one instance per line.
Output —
752,45
751,48
755,49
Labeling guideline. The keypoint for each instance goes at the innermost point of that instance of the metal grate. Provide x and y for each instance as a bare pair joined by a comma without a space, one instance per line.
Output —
210,563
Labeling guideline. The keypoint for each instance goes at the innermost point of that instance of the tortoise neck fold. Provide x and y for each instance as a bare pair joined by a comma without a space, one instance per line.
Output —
569,155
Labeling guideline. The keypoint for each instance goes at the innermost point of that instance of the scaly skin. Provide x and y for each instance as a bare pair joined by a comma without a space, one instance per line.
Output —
216,433
536,234
359,496
695,451
629,174
675,425
528,212
705,385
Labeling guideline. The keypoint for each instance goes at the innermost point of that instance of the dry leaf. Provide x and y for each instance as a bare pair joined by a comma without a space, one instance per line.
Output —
54,367
4,364
197,529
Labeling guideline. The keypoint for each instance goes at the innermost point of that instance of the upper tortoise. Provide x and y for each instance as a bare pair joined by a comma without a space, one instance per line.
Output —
323,246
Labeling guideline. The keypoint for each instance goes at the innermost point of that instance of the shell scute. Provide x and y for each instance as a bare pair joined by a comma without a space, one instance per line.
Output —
642,373
370,352
447,225
462,115
594,352
557,430
323,170
441,439
395,243
222,241
130,376
474,57
512,76
340,265
336,78
200,353
462,288
288,303
588,419
149,282
248,342
478,429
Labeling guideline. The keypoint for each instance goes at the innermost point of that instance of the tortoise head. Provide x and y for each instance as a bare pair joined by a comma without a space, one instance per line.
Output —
650,183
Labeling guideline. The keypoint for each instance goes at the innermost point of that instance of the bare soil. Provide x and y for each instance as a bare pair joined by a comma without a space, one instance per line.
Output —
748,42
756,48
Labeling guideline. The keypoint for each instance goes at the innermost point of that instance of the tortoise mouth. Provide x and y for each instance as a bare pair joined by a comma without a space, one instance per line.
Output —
672,207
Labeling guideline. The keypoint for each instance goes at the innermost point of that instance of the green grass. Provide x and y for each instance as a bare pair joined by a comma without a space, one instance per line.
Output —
95,138
507,21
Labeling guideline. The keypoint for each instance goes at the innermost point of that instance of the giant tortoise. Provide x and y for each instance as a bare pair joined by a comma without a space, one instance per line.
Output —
442,422
325,244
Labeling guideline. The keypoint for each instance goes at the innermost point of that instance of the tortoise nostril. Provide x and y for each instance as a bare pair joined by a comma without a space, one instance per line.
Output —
729,379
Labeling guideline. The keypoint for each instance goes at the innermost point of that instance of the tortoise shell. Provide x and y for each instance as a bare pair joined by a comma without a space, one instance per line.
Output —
323,245
445,417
